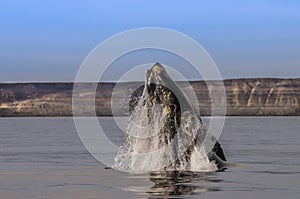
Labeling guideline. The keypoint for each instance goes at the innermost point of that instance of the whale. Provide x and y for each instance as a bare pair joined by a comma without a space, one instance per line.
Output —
180,126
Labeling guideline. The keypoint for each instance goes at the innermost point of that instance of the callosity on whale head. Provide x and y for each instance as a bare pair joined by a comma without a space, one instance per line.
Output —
159,85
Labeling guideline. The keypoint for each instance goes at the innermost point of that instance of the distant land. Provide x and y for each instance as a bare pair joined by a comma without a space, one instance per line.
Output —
245,97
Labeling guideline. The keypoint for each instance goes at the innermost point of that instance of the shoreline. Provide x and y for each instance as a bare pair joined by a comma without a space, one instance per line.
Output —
244,97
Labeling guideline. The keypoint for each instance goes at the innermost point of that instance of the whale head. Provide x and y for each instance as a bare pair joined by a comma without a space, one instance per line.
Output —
158,84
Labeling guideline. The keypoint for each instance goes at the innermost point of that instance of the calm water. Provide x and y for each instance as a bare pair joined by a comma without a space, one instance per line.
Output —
44,158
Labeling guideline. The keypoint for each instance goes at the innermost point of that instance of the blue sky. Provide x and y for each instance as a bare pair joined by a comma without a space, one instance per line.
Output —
48,40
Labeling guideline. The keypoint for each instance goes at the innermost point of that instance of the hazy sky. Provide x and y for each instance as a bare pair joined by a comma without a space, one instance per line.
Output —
48,40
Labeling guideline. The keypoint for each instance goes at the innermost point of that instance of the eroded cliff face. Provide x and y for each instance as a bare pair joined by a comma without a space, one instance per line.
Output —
263,96
243,97
36,99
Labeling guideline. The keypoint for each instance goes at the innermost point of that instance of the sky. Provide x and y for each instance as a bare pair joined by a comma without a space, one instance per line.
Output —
48,40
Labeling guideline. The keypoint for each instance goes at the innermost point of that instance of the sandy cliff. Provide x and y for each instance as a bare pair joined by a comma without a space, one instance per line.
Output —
244,97
263,97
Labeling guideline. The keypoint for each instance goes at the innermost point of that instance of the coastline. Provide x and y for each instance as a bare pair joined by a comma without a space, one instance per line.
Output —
244,97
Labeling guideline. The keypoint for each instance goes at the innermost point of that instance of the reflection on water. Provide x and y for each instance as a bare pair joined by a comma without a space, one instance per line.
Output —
174,184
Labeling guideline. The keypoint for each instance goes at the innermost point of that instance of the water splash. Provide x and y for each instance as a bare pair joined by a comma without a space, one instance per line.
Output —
156,141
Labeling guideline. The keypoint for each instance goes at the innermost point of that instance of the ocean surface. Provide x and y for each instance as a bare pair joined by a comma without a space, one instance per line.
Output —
44,158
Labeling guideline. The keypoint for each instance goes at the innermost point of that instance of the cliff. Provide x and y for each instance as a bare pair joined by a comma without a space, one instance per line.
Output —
263,97
244,97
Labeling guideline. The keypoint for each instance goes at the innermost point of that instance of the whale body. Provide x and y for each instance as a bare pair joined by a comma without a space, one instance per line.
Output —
175,133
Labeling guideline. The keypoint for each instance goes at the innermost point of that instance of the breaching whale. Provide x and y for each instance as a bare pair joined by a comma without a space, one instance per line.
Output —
174,132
